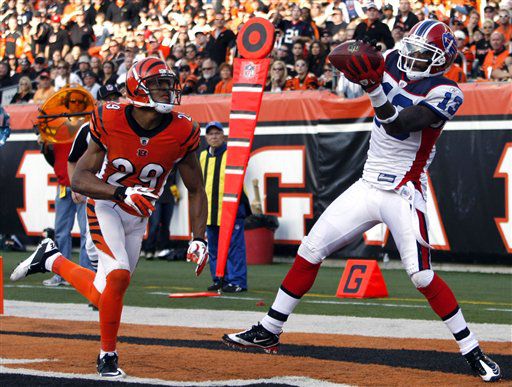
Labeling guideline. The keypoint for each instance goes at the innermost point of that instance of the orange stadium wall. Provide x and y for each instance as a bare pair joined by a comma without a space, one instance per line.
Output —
308,148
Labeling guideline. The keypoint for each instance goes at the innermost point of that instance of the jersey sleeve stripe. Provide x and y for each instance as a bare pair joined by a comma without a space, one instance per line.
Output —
194,131
100,114
437,112
98,141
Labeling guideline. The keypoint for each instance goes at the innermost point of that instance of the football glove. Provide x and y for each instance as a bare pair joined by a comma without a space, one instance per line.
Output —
360,70
138,198
198,253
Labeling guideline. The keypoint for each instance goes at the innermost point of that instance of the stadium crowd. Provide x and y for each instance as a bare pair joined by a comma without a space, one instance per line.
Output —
46,44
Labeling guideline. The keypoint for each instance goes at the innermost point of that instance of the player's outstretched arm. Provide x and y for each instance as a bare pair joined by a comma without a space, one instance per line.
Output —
84,179
190,172
410,119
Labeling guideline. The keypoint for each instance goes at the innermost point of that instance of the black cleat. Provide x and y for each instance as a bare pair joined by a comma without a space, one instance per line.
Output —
483,366
256,337
107,367
215,286
35,263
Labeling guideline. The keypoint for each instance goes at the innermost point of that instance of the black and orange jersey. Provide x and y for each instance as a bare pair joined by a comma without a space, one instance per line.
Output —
139,157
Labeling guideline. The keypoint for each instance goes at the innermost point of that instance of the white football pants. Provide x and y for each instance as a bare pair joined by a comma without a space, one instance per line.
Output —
358,209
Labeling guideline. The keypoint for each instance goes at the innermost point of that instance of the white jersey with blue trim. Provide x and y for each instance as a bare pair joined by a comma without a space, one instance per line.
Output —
395,160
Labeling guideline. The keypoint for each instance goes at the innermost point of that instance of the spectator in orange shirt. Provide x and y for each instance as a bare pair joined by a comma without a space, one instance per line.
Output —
505,27
44,88
495,67
304,80
455,73
225,84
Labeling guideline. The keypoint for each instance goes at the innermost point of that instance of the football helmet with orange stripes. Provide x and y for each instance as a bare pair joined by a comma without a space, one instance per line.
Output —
150,83
429,50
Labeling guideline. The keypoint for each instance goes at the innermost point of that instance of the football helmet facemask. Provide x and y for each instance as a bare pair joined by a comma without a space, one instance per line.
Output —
150,83
429,50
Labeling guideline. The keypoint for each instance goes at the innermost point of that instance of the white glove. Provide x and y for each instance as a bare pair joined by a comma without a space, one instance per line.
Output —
198,253
138,198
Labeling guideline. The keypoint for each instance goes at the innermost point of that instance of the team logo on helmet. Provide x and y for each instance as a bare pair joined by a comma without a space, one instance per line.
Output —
450,46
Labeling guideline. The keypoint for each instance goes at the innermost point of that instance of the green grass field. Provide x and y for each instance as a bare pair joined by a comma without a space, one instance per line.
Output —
485,298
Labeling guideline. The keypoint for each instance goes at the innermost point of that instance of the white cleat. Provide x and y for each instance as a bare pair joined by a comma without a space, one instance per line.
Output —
483,366
36,262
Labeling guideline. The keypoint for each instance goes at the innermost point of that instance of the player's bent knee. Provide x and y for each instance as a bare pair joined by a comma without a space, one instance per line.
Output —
422,279
119,280
309,252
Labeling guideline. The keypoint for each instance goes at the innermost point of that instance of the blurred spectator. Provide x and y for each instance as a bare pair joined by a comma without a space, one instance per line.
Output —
108,93
99,29
483,45
326,38
456,73
490,14
84,66
505,28
13,67
225,84
42,32
25,69
190,55
316,58
91,84
81,34
89,11
58,39
201,41
13,43
109,73
278,77
44,88
283,54
397,34
337,23
117,12
65,77
5,78
347,89
295,30
39,66
297,51
327,78
373,29
209,78
129,57
153,48
97,67
220,41
494,66
465,56
387,16
25,92
304,80
114,52
405,18
473,24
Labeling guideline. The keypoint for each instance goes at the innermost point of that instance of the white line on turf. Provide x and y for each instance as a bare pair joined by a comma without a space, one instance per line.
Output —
5,361
238,320
293,380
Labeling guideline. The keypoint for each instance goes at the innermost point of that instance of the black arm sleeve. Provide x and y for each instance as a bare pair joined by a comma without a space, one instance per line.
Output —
49,156
79,144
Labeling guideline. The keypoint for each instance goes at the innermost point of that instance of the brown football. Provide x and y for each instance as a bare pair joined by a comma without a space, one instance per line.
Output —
341,53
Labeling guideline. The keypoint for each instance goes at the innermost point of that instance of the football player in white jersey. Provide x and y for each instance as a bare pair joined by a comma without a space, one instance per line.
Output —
412,101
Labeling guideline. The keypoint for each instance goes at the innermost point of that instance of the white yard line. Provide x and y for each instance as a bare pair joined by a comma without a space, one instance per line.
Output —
292,380
238,320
